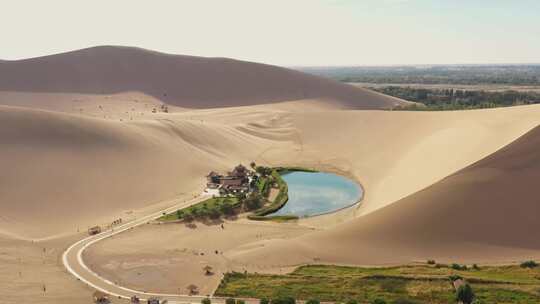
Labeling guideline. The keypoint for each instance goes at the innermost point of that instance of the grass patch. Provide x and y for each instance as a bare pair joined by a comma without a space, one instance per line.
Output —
405,284
212,207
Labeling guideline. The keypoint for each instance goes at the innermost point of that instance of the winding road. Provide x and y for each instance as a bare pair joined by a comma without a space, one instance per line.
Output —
74,263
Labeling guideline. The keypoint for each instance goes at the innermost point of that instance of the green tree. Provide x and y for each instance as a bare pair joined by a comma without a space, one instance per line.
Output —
206,301
529,264
283,300
253,202
179,214
226,208
465,294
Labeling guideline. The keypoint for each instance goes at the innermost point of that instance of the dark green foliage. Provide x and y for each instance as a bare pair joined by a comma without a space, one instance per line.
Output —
459,267
179,214
378,301
240,302
283,300
264,171
455,277
264,301
188,217
230,301
206,301
313,301
450,99
214,213
403,301
226,208
465,294
529,264
352,302
253,201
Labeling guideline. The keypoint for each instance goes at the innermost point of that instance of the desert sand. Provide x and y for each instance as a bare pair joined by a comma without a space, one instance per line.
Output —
185,81
435,185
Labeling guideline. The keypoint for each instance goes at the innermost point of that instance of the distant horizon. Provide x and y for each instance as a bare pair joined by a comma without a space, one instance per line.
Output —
389,65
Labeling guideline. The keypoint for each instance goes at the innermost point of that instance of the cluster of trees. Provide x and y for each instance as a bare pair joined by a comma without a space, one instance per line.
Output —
438,74
529,264
442,99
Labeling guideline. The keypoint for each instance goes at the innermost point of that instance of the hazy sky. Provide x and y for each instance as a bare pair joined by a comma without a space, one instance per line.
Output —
283,32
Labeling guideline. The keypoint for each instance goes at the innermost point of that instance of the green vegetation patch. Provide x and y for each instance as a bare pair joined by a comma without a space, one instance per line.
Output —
403,284
211,208
450,99
285,170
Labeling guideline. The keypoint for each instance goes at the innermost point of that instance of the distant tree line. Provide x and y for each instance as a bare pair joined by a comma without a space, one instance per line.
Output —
435,74
451,99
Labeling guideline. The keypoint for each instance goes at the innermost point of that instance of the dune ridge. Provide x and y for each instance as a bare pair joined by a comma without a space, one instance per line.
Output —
184,81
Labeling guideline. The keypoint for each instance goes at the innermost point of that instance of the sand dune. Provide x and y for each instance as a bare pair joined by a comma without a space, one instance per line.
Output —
486,212
185,81
82,147
90,171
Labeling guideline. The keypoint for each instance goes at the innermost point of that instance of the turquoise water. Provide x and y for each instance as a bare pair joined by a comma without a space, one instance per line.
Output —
317,193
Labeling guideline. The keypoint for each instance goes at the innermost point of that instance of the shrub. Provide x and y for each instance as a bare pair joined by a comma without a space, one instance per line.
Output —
455,277
431,262
528,264
459,267
230,301
283,300
179,214
264,301
254,201
475,267
206,301
378,301
214,214
465,294
188,217
240,302
313,301
403,301
352,302
226,208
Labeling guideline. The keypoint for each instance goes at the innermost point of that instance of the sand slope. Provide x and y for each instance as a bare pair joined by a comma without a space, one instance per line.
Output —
184,81
89,171
63,172
486,212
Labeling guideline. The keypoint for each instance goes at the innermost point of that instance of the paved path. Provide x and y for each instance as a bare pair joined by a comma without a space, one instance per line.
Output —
73,261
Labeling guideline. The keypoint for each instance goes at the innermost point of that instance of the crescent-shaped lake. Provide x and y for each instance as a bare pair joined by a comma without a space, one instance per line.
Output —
316,193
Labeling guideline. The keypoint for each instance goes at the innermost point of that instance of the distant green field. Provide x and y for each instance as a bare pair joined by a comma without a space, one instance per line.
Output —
404,284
